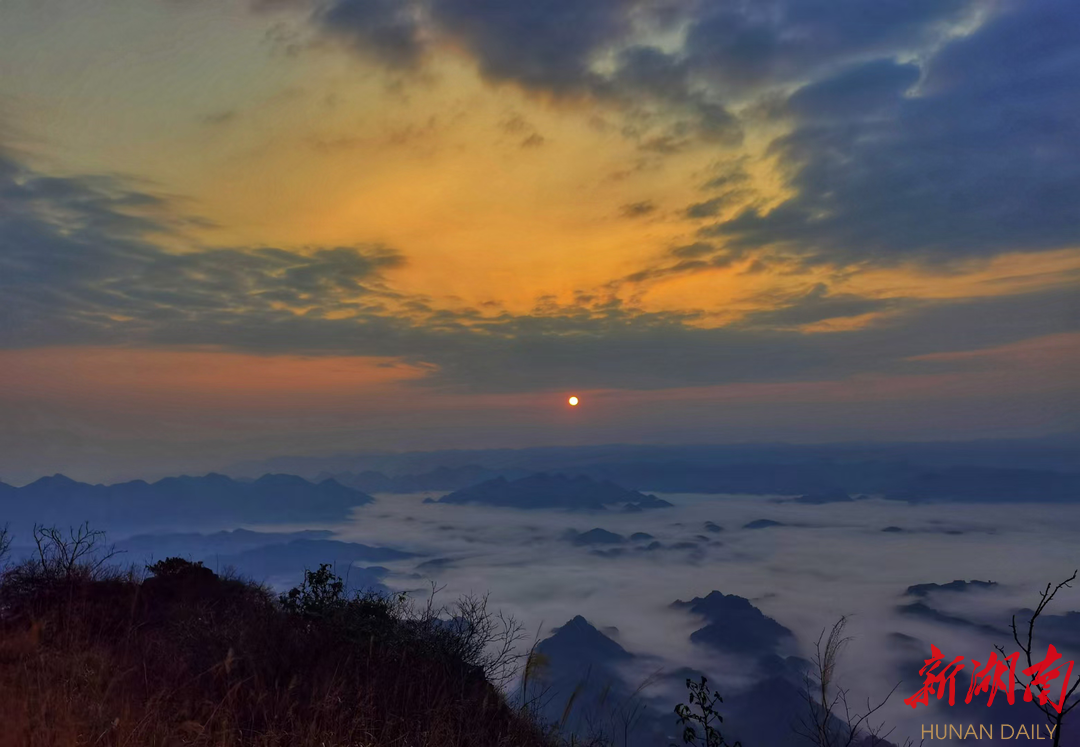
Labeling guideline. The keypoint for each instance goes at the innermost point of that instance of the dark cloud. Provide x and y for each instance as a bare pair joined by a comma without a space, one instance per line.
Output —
541,44
729,179
668,79
555,46
706,209
652,70
633,350
388,30
982,158
700,256
816,305
692,251
219,118
749,45
518,126
679,268
79,265
545,46
966,147
638,209
274,5
865,90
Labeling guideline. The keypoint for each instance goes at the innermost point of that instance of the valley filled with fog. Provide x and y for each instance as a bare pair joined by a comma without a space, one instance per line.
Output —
819,562
626,589
803,563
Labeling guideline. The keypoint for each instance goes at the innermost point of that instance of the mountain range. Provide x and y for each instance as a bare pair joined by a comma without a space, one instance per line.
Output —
555,491
1033,470
1060,453
178,502
585,672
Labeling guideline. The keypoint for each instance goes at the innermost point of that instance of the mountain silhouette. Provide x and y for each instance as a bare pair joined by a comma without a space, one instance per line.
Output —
580,679
926,612
579,642
179,501
276,558
762,524
583,661
440,478
544,490
827,496
195,546
735,625
595,536
922,590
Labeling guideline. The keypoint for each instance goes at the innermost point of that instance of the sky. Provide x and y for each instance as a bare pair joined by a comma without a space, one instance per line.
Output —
237,228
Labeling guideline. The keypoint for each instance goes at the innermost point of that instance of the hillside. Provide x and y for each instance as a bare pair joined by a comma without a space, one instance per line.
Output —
186,657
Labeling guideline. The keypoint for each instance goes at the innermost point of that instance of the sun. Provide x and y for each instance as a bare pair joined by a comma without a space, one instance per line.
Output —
573,401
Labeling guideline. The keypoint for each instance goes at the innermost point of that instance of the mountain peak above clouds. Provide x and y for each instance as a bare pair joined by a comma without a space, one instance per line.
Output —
545,490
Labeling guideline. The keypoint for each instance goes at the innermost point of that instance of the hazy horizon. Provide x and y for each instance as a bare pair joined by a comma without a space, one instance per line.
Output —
266,463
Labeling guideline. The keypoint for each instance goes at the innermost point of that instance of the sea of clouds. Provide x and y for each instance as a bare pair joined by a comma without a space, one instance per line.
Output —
823,562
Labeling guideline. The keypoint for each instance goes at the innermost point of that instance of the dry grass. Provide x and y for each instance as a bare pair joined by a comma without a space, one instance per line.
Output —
193,659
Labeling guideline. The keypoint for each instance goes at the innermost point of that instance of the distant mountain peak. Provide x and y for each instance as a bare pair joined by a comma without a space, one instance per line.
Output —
272,498
959,586
579,641
547,490
735,624
596,536
56,481
281,479
762,524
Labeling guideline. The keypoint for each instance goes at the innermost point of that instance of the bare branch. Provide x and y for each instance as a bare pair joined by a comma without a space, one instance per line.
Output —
81,552
5,542
1046,596
831,720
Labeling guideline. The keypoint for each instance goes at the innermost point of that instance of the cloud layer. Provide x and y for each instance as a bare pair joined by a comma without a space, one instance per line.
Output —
84,263
940,130
789,209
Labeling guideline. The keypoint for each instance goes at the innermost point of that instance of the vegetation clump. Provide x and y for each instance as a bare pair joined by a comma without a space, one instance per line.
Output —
179,655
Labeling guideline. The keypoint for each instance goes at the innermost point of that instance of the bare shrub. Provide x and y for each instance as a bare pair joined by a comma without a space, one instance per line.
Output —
468,630
1026,643
5,544
188,657
81,552
830,719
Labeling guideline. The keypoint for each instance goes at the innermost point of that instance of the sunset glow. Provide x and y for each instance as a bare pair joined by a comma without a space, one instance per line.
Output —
213,202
